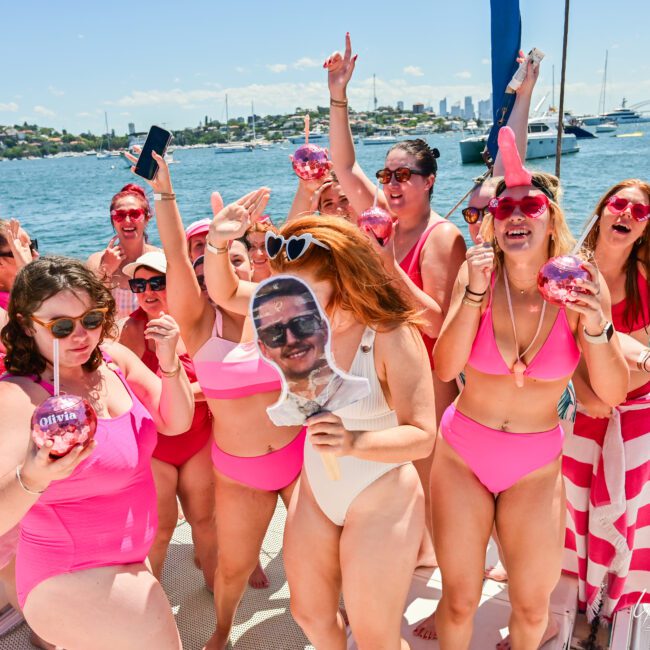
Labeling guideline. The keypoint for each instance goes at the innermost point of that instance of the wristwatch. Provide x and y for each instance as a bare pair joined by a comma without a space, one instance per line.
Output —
603,337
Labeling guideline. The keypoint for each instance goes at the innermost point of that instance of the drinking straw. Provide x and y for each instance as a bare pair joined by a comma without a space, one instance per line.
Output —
585,232
307,128
55,362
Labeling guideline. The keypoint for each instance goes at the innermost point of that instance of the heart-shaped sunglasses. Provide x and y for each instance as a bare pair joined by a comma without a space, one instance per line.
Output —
294,247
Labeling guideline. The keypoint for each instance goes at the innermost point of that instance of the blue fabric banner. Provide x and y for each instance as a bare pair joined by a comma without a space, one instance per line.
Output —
506,43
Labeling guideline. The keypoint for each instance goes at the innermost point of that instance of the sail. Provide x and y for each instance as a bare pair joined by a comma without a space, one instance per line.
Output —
506,42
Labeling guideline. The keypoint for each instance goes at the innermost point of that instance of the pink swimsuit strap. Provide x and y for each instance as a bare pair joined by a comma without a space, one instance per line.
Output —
411,262
4,299
229,370
557,358
626,322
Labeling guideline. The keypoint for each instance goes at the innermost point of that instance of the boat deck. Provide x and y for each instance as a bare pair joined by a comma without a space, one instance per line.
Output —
263,620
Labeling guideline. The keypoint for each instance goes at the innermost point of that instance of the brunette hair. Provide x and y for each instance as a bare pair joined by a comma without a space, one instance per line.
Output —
561,241
425,156
35,283
361,284
131,189
640,251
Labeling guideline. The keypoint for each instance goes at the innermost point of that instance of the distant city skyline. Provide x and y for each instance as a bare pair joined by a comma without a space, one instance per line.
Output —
66,64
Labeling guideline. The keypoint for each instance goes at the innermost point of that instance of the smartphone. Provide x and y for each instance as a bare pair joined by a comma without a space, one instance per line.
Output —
157,140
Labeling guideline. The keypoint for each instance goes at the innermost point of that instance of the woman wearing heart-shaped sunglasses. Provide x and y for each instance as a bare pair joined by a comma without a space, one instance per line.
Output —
620,244
352,525
426,250
498,454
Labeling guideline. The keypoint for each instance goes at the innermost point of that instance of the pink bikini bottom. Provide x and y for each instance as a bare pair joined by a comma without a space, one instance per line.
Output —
269,472
499,458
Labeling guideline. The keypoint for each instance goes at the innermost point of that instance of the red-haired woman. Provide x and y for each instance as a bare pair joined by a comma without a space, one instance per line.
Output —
130,215
607,460
426,250
342,535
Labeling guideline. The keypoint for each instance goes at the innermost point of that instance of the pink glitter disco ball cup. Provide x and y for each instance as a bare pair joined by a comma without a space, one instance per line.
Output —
310,162
557,278
378,221
66,420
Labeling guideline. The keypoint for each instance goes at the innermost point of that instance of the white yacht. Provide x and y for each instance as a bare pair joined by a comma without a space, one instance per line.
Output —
385,138
621,115
233,147
542,142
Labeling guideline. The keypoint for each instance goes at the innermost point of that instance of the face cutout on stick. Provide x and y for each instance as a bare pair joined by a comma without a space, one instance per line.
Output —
293,334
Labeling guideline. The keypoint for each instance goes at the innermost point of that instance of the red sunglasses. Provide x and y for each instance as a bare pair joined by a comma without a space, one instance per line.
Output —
501,207
639,211
135,214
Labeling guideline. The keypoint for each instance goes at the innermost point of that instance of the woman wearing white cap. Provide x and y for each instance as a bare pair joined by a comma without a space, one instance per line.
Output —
181,465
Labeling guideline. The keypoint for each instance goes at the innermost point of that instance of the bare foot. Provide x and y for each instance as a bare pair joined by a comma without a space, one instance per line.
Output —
497,573
258,579
217,642
37,642
427,628
552,630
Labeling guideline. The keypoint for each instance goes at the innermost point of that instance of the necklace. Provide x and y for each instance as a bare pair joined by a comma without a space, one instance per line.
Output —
519,367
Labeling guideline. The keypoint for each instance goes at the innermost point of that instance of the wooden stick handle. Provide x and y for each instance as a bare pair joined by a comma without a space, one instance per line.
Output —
331,465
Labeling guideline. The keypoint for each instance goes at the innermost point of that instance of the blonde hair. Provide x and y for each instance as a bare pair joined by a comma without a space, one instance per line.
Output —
561,240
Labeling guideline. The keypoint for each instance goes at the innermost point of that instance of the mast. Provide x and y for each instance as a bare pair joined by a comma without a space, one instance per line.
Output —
253,113
227,127
553,87
374,92
560,122
603,91
108,135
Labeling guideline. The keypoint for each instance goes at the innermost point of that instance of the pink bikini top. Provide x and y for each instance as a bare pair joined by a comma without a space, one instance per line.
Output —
619,317
229,370
557,358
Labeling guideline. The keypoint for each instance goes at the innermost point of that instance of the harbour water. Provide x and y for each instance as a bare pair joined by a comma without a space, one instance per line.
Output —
64,202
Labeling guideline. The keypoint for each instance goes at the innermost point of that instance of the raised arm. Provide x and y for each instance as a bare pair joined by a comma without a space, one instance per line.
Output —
456,338
193,314
518,119
359,189
224,287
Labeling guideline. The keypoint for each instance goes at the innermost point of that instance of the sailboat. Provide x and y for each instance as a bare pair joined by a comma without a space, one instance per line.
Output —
103,154
234,147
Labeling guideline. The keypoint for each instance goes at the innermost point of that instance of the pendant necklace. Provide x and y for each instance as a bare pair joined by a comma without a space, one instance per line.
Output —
519,367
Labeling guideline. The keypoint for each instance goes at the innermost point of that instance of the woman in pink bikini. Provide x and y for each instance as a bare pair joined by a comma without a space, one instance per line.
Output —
428,250
342,535
130,213
255,462
87,520
620,244
497,459
181,464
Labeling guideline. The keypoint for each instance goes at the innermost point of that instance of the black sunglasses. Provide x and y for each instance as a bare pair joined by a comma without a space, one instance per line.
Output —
200,278
64,326
402,174
275,336
474,215
32,247
139,285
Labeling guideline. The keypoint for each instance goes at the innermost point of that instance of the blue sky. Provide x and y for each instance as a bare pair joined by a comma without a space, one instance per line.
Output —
164,62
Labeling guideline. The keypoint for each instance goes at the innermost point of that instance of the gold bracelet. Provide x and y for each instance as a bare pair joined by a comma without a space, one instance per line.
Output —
341,103
215,249
164,196
471,303
22,485
171,373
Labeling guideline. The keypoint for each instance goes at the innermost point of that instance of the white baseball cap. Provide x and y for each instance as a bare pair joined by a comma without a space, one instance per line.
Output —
155,260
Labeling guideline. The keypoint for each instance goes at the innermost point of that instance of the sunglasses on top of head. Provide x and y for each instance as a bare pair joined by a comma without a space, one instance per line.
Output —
618,204
301,327
139,285
533,207
402,174
135,214
64,326
294,247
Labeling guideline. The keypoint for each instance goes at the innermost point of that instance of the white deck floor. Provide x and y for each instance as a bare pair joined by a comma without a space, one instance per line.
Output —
264,622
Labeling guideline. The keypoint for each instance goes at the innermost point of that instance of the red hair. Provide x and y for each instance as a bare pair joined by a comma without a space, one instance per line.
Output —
131,189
